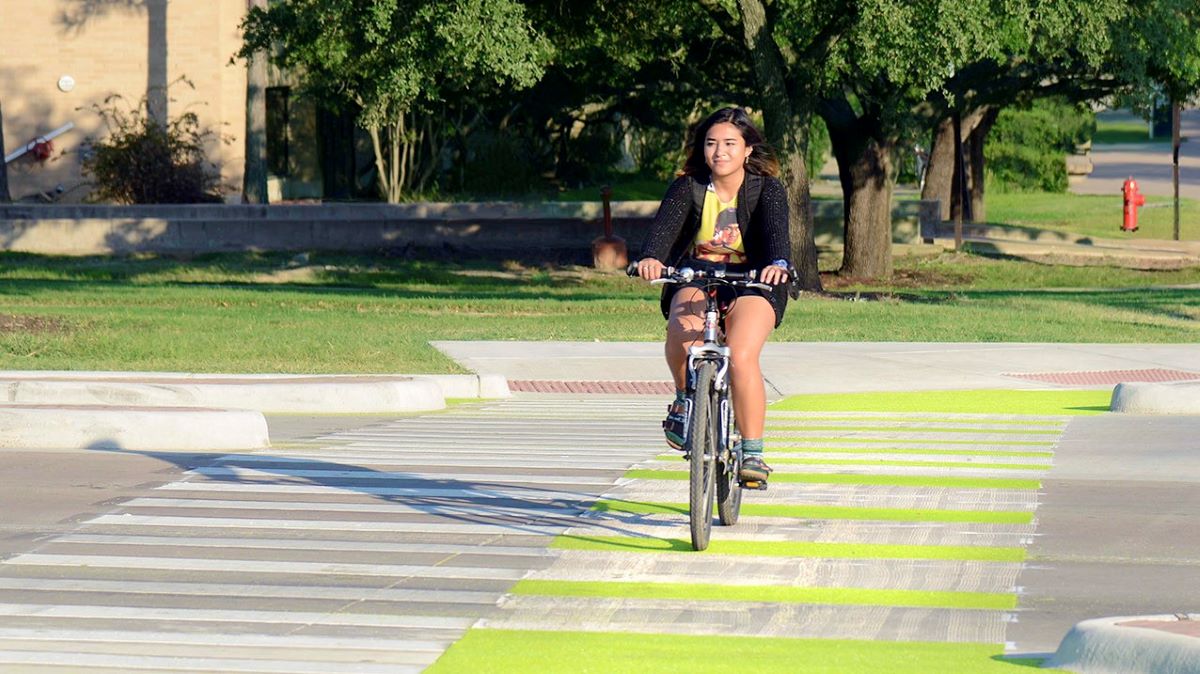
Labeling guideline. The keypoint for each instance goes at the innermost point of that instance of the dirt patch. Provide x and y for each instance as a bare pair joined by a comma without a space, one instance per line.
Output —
901,278
11,323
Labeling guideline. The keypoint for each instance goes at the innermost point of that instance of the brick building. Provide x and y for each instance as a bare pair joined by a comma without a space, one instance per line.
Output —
59,58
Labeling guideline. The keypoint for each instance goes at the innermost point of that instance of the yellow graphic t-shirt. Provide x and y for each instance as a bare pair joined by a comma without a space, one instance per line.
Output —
720,237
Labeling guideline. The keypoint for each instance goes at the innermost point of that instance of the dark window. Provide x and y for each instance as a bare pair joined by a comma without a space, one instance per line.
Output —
277,130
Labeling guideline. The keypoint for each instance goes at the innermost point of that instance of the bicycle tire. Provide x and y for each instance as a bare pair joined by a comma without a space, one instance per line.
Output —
729,488
702,451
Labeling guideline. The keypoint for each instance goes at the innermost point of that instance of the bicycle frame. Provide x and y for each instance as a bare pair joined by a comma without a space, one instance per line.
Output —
713,349
714,463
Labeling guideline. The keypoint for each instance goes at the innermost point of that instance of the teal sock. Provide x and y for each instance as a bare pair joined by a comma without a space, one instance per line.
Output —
680,395
752,447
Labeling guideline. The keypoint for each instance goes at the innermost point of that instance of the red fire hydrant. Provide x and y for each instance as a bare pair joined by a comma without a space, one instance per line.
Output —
1133,199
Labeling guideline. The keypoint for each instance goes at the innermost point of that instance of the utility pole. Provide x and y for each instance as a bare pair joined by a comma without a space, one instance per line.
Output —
254,171
5,196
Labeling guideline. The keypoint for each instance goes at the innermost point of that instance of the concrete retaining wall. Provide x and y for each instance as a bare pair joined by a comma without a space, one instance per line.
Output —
480,227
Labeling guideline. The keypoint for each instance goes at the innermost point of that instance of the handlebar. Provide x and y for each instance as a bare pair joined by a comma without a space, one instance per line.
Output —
746,279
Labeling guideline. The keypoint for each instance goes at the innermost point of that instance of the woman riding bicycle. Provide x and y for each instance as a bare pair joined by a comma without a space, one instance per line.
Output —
727,207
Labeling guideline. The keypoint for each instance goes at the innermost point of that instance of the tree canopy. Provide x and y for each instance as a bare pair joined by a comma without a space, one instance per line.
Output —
383,58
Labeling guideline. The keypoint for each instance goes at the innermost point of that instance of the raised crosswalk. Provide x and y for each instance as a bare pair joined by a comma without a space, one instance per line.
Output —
363,551
375,549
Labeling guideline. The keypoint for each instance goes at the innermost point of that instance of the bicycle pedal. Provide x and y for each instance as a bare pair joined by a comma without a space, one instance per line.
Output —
760,485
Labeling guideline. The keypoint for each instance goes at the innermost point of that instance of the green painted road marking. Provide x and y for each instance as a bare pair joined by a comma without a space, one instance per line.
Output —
895,450
877,480
769,593
831,512
983,401
895,441
794,548
913,464
803,418
553,652
907,429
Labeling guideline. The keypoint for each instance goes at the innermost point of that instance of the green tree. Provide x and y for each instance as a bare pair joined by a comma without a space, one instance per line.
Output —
390,61
1080,50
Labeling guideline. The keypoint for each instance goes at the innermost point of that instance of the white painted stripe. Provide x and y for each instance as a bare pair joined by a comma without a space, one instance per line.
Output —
255,591
437,527
224,471
294,640
300,618
82,662
319,545
477,491
264,566
632,445
915,471
468,436
424,458
540,510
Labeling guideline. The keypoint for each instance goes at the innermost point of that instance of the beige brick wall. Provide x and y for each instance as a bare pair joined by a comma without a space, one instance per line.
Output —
104,46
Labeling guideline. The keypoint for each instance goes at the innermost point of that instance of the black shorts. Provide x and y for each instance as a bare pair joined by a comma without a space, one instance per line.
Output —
777,297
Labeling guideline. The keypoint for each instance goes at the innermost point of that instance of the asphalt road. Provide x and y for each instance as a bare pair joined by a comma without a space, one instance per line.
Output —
1117,525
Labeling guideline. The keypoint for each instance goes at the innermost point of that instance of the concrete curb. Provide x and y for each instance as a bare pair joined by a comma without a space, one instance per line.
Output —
277,394
1104,646
130,427
1180,397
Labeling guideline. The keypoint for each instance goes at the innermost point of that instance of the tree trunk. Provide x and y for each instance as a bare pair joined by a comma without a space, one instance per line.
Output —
787,131
5,196
867,186
865,172
254,171
939,175
975,143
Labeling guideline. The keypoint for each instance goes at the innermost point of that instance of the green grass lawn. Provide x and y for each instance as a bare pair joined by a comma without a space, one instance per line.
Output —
341,313
1094,215
1124,128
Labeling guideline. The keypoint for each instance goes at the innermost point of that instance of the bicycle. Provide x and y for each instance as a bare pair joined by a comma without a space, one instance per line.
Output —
710,447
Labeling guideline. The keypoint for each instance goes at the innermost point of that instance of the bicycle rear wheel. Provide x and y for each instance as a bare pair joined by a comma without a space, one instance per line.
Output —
702,455
729,488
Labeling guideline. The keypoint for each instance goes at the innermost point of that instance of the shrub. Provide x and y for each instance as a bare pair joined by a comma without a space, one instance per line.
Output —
1026,149
143,161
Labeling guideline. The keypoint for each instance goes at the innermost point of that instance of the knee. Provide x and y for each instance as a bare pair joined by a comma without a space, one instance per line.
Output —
743,361
685,328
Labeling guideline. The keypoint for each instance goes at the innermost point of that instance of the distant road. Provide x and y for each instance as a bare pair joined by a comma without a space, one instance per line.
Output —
1148,163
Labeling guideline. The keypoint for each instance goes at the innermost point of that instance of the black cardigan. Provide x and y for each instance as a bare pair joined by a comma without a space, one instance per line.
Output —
765,231
673,232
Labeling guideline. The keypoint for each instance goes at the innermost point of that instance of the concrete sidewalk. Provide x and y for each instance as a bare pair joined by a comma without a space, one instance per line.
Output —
843,367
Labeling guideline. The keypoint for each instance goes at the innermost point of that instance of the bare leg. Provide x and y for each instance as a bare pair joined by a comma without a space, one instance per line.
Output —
747,327
685,328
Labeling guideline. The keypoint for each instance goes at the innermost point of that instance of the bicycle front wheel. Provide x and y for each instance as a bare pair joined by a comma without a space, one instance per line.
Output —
702,456
729,488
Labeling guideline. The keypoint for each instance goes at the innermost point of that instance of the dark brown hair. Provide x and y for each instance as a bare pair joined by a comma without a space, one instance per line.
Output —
761,161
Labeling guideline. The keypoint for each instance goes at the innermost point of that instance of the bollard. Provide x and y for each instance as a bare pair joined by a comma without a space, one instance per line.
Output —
608,251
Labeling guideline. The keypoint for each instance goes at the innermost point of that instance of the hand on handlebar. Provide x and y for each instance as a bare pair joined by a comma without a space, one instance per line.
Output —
773,275
650,269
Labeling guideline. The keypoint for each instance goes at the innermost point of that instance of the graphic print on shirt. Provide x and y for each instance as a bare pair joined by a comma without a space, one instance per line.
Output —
720,237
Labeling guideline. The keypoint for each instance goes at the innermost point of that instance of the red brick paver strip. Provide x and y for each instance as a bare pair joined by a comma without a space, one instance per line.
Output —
1188,628
620,387
1106,377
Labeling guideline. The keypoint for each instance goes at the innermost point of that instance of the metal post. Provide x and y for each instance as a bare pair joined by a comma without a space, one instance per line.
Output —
1176,113
959,182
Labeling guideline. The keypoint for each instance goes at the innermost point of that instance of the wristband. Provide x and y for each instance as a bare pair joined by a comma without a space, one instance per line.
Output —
781,263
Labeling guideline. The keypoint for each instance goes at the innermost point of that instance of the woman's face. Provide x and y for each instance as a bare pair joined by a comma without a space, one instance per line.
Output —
725,150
